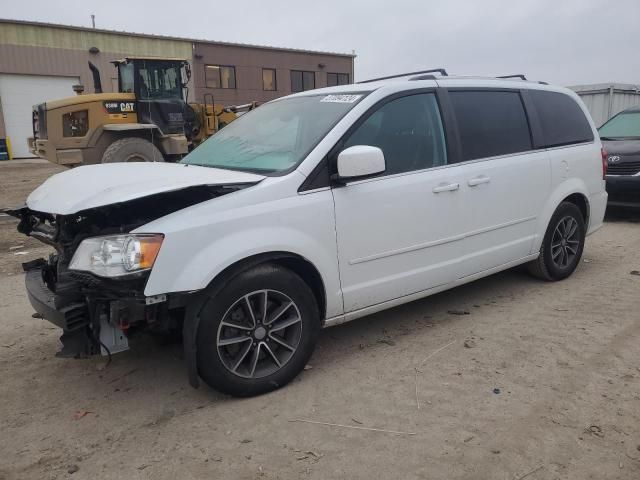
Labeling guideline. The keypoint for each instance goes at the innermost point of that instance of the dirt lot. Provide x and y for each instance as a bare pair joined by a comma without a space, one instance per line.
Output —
538,380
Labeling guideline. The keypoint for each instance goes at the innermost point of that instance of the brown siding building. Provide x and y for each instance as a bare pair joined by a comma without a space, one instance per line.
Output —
262,74
41,61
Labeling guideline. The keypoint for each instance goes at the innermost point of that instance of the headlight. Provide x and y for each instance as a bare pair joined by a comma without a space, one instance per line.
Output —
117,255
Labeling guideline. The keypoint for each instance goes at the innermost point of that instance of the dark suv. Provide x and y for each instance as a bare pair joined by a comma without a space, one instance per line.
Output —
620,137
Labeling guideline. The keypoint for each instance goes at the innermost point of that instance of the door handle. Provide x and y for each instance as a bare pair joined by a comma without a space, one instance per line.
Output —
474,182
446,188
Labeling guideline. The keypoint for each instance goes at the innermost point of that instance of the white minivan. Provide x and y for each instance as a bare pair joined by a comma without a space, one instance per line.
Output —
313,210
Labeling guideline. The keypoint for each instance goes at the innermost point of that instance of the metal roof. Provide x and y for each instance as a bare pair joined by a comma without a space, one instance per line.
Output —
148,57
605,87
167,37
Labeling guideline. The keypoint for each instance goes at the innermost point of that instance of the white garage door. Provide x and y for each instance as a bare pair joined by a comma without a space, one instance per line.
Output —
19,93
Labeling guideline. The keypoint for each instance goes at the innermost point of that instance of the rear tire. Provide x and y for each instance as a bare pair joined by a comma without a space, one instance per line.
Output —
132,149
257,331
562,245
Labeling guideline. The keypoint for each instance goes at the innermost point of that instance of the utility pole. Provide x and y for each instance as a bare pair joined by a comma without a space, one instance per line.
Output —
93,21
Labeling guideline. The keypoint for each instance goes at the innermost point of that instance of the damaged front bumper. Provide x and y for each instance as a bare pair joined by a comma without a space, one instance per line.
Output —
97,315
69,315
94,314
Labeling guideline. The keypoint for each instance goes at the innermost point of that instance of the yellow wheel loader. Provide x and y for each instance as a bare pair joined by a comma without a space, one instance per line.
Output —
148,120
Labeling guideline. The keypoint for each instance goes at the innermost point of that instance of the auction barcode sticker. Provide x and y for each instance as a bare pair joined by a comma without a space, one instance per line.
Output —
341,98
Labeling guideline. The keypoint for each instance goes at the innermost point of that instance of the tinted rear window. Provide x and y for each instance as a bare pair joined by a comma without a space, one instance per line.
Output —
562,120
490,123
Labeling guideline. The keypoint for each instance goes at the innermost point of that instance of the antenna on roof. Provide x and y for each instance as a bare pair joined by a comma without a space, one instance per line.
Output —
441,71
93,21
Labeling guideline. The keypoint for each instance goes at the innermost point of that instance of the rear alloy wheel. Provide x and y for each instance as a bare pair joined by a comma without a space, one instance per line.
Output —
257,331
562,245
565,242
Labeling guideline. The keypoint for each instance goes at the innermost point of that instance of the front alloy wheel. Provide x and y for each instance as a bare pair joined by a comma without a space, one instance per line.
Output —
257,330
259,334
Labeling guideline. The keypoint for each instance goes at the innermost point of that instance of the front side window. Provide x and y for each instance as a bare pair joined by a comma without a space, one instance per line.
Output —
623,125
219,76
490,123
301,81
334,79
269,79
409,132
563,121
276,136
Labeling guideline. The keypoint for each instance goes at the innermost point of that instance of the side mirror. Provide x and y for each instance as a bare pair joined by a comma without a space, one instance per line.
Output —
360,161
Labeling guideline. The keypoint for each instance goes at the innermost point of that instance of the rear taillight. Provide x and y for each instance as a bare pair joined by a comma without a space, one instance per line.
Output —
604,162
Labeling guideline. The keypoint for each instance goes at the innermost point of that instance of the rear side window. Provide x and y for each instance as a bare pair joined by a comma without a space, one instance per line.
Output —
490,123
562,120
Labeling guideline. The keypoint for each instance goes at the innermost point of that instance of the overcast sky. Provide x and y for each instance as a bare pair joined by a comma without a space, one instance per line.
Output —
566,42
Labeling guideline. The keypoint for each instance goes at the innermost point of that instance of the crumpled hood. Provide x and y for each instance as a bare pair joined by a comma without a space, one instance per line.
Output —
91,186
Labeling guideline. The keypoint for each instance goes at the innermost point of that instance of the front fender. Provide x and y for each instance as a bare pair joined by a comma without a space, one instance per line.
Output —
191,258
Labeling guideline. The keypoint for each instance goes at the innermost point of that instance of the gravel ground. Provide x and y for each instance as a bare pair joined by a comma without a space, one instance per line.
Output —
538,380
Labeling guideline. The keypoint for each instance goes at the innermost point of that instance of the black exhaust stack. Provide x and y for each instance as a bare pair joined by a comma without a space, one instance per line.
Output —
97,84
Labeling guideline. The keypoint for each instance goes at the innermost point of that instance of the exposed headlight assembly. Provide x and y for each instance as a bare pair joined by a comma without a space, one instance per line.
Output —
117,255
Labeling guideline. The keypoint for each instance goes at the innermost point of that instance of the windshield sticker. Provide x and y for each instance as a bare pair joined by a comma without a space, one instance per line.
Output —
341,98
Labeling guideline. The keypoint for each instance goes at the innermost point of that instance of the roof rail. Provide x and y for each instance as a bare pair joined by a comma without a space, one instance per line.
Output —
427,76
441,71
521,76
517,75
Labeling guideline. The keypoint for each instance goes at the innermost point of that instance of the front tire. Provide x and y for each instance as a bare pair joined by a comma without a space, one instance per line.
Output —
562,245
257,332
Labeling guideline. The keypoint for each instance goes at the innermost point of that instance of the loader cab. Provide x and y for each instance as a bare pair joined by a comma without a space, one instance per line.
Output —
160,89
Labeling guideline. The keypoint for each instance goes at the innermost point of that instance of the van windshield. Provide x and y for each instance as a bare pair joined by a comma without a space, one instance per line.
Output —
275,137
623,125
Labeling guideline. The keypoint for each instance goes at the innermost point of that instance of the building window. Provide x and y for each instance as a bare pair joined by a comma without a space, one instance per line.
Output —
220,76
334,79
269,79
301,81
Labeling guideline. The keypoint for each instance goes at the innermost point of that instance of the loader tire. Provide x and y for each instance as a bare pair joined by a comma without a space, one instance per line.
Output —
132,150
